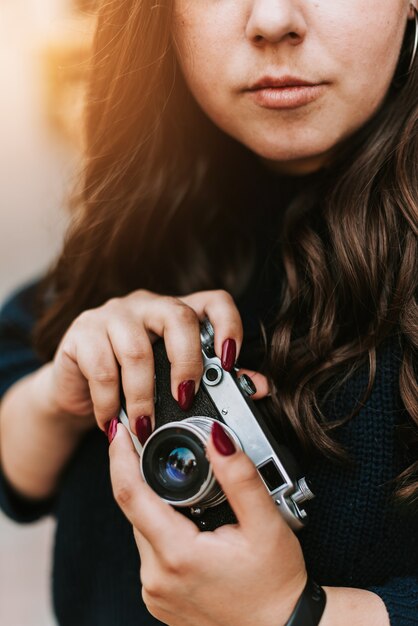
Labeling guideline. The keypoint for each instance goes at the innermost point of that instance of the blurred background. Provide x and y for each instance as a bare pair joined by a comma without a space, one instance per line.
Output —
44,46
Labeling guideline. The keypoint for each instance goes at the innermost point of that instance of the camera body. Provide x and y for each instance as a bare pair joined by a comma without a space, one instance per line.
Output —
173,460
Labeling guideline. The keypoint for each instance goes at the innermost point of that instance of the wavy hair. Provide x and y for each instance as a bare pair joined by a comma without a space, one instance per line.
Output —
163,190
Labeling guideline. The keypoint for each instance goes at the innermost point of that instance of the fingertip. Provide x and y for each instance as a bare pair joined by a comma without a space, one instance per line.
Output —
226,348
186,392
110,428
122,448
105,415
222,443
117,432
260,382
220,461
229,353
138,410
143,426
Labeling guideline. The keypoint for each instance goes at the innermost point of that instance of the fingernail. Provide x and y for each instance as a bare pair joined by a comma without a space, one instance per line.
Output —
221,441
186,394
143,428
229,353
111,428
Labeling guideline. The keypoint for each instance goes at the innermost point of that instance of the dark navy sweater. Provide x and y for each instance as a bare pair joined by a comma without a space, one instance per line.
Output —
356,537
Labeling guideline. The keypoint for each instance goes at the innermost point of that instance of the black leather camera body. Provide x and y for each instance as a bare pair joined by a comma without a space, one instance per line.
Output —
173,460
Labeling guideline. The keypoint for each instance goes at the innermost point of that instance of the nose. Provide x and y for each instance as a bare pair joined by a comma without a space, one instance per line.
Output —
274,21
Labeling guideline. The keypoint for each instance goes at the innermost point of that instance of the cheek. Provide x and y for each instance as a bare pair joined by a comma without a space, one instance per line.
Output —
365,52
204,75
203,45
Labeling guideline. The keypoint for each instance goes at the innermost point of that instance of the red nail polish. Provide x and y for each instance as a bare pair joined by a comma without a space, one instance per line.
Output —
106,427
229,353
186,394
111,428
143,428
221,441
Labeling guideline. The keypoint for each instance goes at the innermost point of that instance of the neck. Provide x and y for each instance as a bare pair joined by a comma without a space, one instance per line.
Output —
296,167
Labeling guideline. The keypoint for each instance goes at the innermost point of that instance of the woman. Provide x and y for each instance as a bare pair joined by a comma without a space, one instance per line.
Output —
252,162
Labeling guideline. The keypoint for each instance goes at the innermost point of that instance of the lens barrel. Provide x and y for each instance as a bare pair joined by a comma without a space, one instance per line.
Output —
174,463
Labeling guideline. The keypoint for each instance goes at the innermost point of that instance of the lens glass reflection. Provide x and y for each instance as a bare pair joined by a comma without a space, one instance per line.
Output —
179,467
174,463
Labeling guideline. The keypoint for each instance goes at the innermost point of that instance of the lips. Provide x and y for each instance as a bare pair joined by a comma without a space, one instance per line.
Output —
285,92
281,81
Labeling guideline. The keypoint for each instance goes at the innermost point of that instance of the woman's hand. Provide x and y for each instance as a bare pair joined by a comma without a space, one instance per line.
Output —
114,342
248,573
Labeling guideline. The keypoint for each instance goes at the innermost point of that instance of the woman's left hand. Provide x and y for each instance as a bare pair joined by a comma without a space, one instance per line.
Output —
252,572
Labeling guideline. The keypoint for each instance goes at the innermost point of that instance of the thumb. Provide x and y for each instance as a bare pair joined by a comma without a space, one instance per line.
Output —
241,483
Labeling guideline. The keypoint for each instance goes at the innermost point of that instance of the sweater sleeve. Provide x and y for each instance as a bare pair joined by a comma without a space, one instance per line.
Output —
400,596
17,359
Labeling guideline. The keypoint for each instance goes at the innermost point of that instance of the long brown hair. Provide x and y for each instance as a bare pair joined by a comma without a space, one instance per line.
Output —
163,189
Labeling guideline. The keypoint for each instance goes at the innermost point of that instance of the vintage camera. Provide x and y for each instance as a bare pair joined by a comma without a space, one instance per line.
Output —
173,460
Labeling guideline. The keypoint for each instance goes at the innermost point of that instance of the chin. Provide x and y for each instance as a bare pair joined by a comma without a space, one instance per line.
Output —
291,159
302,153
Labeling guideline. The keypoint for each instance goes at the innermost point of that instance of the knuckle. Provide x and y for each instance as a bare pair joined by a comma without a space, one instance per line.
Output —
176,564
152,587
139,403
83,319
67,347
111,305
189,361
168,301
123,494
183,312
104,376
136,351
224,295
139,294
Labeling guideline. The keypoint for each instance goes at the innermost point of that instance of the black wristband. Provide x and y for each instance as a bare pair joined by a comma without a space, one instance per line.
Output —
310,606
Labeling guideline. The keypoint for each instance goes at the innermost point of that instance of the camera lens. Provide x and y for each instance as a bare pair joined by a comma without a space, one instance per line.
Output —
174,463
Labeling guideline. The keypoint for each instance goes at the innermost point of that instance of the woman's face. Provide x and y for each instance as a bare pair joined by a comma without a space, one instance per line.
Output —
346,49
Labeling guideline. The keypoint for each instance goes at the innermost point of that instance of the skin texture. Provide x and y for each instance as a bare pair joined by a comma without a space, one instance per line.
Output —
224,46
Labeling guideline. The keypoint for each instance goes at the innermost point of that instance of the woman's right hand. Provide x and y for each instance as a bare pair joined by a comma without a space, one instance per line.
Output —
114,341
